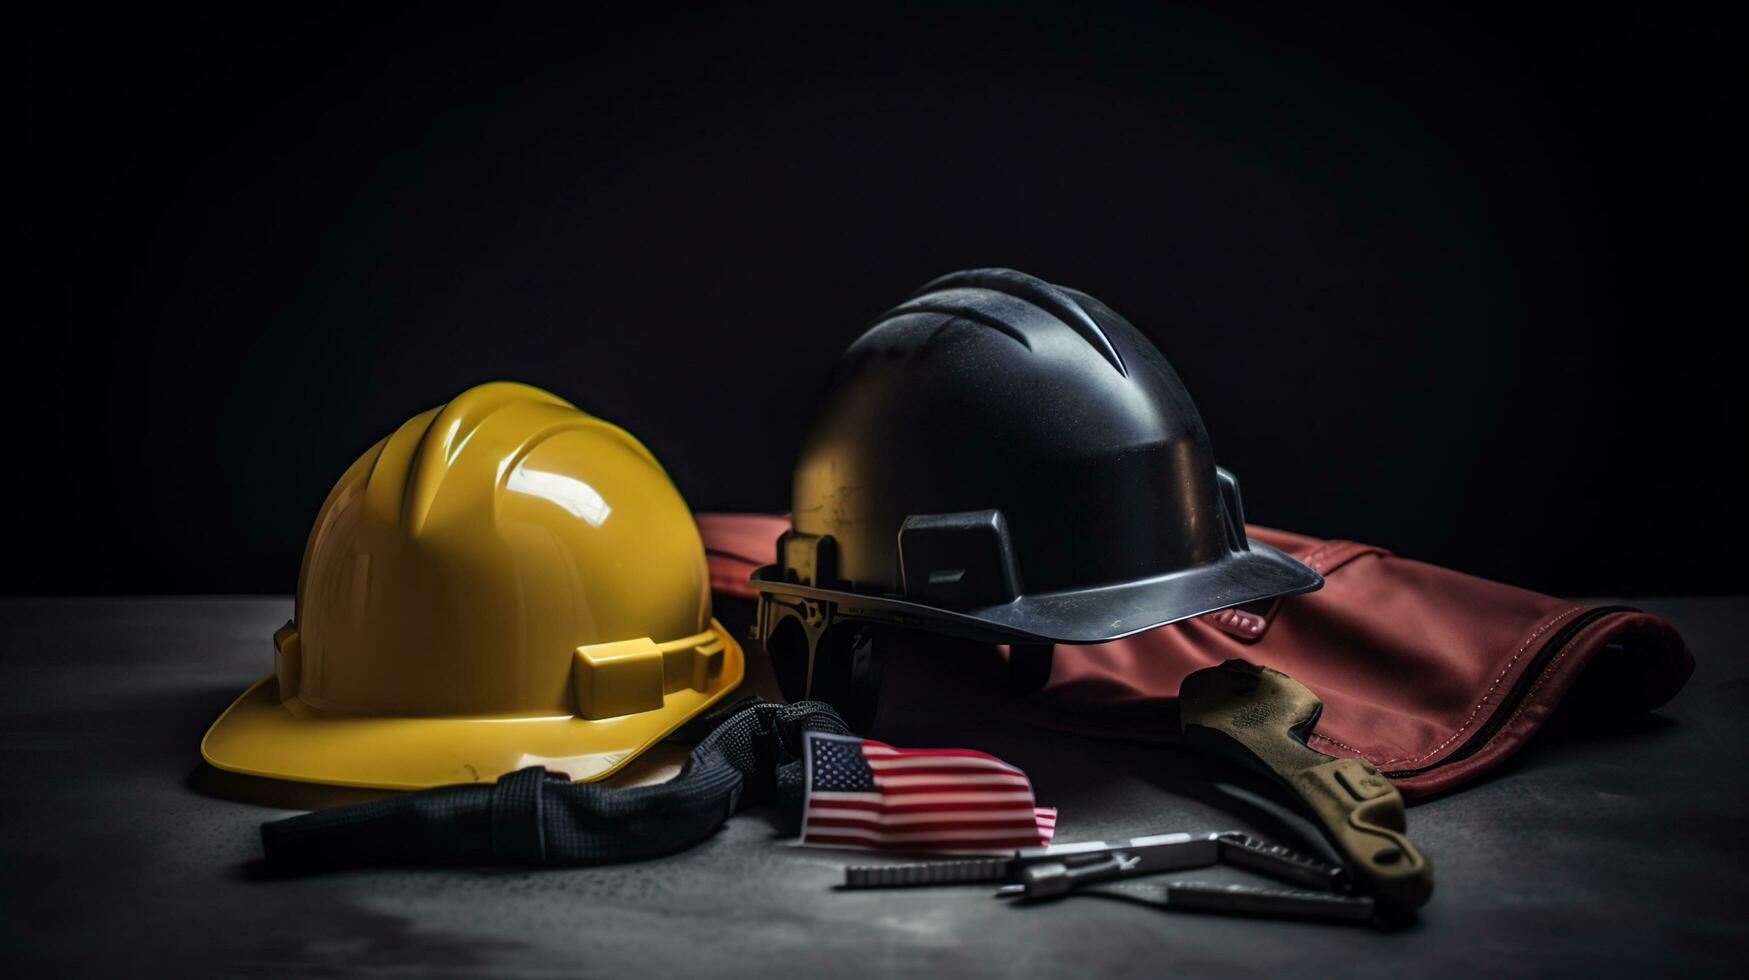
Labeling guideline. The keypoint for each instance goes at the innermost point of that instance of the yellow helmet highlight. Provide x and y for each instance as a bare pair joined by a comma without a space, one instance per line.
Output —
504,581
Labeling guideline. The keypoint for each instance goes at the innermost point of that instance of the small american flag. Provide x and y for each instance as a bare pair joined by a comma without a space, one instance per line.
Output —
862,793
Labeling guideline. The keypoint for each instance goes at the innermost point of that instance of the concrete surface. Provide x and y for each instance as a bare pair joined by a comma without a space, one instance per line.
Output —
1606,848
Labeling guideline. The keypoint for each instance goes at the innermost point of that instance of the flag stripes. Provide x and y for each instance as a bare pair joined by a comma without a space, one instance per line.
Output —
863,793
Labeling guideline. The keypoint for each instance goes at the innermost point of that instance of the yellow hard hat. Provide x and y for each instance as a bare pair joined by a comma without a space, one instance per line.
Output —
503,582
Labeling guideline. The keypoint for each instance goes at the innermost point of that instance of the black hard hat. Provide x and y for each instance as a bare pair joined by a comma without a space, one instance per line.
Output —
1010,461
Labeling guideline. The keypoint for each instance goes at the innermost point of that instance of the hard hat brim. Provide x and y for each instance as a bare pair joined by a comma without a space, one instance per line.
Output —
259,735
1078,616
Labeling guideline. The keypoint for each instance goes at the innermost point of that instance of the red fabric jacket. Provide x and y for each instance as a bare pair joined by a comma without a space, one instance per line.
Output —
1432,675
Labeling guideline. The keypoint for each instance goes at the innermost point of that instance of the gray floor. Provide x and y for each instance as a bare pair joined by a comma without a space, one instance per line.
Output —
1604,849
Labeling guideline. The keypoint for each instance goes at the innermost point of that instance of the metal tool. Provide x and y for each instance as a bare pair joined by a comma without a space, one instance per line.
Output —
1042,873
1262,720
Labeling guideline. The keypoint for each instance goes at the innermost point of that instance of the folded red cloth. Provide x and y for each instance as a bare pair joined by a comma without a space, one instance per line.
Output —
1432,675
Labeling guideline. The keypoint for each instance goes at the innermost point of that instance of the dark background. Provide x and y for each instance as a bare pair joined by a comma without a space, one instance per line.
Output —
1463,283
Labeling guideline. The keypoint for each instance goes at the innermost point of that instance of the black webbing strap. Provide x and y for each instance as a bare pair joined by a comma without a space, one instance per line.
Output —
531,818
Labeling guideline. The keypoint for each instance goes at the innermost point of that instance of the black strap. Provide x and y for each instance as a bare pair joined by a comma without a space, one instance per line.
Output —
530,817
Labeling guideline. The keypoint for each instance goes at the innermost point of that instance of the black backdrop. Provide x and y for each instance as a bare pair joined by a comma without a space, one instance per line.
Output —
1444,281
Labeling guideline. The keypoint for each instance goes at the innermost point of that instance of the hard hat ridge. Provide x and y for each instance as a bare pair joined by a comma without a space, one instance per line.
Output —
418,469
1030,299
